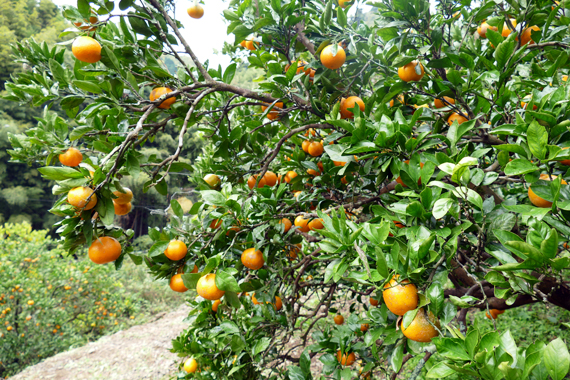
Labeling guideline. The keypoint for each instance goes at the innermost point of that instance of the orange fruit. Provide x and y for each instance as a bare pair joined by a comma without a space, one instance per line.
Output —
494,313
316,224
254,300
524,104
311,132
86,49
320,166
339,319
251,182
344,180
420,330
207,288
250,44
252,259
305,145
399,179
400,298
286,224
364,327
374,302
272,115
339,163
215,224
506,31
190,365
77,197
438,103
538,201
215,305
316,149
212,180
278,303
158,92
456,117
176,250
302,223
407,73
344,3
301,67
71,157
104,250
195,11
289,176
243,43
331,61
122,209
123,198
312,172
526,35
177,284
293,252
482,30
270,178
349,103
346,359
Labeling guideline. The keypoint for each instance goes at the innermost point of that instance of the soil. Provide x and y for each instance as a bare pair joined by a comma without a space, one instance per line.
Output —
141,352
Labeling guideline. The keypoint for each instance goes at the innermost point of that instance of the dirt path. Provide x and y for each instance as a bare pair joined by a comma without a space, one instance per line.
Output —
141,352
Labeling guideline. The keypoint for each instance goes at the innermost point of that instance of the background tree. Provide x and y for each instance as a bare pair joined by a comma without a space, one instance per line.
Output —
403,152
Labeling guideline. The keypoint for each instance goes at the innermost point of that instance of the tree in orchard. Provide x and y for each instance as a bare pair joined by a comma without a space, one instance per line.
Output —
382,181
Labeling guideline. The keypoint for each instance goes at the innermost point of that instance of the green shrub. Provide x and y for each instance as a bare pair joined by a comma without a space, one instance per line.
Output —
49,303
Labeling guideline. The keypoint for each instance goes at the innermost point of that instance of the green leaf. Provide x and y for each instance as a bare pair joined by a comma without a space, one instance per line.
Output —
439,371
87,86
226,282
158,248
176,208
503,52
57,173
213,197
549,246
537,140
436,297
295,373
441,207
341,17
557,359
520,166
397,357
58,72
328,13
261,345
409,318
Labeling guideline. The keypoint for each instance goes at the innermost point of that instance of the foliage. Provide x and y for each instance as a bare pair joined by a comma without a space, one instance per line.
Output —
400,190
48,304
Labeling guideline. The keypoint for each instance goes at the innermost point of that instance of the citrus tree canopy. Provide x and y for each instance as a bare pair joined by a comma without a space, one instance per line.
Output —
383,178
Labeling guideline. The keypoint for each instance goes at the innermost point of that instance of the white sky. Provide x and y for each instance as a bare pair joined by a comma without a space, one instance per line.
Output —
204,35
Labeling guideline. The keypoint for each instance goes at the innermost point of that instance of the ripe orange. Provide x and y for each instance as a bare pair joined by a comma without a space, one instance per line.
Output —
438,103
407,73
252,259
526,35
207,288
420,330
494,313
176,250
538,201
305,145
71,157
243,43
250,44
482,30
301,67
316,224
215,224
506,31
122,209
339,319
344,3
316,148
400,298
158,92
212,180
123,198
86,49
346,359
289,176
286,224
302,223
196,11
190,365
215,305
293,252
272,115
524,104
374,302
456,117
349,103
278,303
339,163
177,284
270,178
399,179
78,197
312,172
251,182
104,250
331,61
364,327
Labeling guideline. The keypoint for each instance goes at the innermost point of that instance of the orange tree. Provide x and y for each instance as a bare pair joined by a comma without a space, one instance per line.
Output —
380,171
